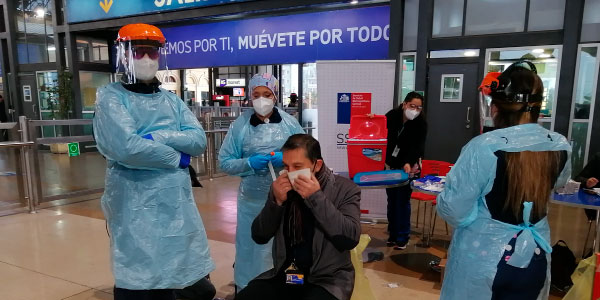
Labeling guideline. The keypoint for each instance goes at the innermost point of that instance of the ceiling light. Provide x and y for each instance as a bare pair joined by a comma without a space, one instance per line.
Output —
40,13
537,51
545,55
470,53
354,2
51,48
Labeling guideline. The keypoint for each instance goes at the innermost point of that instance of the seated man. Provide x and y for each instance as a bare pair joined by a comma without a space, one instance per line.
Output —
589,177
320,214
590,174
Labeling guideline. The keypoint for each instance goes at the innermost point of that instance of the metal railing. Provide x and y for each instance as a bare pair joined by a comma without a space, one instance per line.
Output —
30,144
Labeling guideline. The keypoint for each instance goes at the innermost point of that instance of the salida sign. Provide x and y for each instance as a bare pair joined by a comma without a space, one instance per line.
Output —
90,10
361,33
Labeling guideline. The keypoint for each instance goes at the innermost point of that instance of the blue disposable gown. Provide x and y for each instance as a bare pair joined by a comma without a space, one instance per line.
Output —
242,141
479,241
158,240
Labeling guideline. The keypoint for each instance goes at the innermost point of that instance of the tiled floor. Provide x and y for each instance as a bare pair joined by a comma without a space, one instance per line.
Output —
62,252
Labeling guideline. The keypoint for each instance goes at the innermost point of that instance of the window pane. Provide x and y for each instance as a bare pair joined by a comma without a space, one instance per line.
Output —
408,75
454,53
590,29
487,17
546,62
411,22
309,96
546,15
90,82
579,138
34,32
586,81
447,18
289,82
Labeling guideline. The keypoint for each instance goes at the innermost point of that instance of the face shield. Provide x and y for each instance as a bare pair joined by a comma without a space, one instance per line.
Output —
140,60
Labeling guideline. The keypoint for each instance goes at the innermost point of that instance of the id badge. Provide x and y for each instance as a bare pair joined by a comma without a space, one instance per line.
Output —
294,276
396,151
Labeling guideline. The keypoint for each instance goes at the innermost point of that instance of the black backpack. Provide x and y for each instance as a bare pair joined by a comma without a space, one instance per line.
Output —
563,265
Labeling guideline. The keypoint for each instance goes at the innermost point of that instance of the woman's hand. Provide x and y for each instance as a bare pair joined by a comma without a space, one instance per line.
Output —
590,183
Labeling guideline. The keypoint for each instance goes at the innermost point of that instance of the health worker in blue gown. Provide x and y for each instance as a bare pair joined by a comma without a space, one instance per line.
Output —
147,134
253,141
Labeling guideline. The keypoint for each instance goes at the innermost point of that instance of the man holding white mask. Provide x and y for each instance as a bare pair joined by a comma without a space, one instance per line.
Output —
252,143
314,217
147,134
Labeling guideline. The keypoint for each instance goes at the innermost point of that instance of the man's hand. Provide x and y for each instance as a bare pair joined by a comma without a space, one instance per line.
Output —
306,187
281,187
590,183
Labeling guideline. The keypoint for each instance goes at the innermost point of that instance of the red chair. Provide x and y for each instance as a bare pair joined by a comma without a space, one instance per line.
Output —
436,168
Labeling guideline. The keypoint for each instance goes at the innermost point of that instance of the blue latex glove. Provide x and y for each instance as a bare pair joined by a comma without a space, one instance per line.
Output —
148,137
184,162
277,160
259,162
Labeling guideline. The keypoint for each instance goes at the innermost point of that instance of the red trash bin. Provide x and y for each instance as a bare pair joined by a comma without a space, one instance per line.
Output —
367,144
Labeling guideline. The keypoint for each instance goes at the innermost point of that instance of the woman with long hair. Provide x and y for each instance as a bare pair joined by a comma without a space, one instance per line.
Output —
497,195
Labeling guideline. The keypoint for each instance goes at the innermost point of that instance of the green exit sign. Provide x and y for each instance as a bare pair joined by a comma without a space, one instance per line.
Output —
73,149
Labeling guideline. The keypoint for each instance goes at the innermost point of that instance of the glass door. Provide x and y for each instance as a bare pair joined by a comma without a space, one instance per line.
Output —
406,71
582,108
547,62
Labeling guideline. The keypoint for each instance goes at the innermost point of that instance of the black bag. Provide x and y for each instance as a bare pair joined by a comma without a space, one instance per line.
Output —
563,265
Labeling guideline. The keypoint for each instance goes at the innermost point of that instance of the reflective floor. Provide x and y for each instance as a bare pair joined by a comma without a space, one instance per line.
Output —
62,252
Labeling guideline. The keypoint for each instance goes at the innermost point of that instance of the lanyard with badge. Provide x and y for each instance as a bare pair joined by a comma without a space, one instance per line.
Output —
396,148
293,275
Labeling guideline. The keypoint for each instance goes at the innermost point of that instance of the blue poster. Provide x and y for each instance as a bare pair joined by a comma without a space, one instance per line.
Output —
344,108
351,34
91,10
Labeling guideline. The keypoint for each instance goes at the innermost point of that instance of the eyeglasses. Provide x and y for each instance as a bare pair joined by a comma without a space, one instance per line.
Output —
412,106
139,52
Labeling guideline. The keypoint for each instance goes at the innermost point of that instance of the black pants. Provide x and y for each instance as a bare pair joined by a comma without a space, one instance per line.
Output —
398,213
201,290
124,294
512,283
276,289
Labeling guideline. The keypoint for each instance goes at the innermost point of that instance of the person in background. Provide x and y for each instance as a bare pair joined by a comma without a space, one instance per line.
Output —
293,100
147,134
315,222
589,178
590,175
407,130
496,196
253,141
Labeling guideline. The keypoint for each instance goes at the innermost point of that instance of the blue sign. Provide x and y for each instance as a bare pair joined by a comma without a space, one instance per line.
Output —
90,10
361,33
344,108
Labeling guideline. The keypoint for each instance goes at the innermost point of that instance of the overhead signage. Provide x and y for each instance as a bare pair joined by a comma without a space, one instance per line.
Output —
230,82
91,10
351,34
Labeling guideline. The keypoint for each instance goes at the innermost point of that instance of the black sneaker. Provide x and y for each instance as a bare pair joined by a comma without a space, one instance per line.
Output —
401,245
390,244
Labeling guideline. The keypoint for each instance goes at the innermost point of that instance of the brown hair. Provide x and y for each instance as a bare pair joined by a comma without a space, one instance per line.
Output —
530,175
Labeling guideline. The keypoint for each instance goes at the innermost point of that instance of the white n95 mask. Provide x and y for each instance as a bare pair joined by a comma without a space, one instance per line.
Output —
145,68
263,106
411,114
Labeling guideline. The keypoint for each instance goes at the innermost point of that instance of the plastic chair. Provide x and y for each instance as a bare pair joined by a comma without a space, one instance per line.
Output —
430,167
362,288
